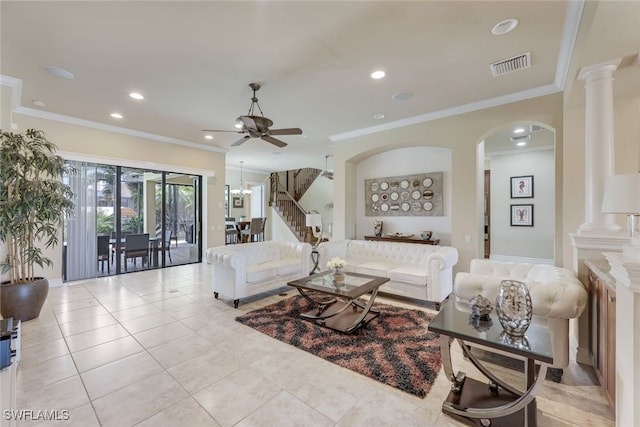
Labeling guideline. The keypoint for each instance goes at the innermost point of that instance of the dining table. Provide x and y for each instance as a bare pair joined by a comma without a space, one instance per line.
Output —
154,245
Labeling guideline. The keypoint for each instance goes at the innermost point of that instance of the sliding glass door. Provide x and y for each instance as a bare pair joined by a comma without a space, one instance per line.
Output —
150,218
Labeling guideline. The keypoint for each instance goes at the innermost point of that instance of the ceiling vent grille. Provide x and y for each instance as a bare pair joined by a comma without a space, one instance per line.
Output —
536,128
509,65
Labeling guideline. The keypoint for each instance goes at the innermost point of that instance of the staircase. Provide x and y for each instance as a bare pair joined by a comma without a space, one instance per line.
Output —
286,203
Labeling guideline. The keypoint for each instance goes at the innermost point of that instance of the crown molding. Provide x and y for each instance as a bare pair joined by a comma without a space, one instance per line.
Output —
450,112
16,94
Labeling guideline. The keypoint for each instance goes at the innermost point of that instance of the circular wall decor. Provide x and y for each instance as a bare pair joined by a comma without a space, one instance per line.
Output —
375,207
384,197
384,207
404,184
394,196
384,185
427,206
375,197
374,186
416,195
404,195
405,207
427,194
427,182
416,206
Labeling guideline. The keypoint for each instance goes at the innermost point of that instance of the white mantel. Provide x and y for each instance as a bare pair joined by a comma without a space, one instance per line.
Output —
625,268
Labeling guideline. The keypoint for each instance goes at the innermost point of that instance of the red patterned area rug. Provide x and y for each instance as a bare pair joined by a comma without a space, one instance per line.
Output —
396,348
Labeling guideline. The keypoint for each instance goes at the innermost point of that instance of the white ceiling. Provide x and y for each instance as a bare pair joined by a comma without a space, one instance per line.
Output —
193,61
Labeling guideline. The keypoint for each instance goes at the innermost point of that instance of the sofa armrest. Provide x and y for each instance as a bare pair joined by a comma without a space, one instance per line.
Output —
330,249
299,250
440,265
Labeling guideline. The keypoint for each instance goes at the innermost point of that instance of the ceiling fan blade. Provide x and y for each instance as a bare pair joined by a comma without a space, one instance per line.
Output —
274,141
218,130
240,141
287,131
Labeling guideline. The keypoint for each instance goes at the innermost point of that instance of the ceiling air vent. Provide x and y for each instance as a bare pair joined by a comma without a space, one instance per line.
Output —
509,65
536,128
520,138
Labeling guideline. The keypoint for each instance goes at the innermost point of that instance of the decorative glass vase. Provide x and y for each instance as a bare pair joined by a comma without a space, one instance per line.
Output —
338,274
513,305
377,228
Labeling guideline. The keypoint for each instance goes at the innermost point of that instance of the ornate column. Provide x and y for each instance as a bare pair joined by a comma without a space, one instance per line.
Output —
599,159
625,268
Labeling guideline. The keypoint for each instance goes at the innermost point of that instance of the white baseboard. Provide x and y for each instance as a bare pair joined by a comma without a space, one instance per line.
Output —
508,258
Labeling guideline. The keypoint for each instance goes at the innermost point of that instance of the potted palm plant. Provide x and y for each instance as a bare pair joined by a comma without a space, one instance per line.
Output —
33,204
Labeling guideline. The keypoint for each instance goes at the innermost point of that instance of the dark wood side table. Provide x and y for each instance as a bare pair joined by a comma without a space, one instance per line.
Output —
402,240
494,403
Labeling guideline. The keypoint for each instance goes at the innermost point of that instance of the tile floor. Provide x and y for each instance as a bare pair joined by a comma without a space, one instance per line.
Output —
155,348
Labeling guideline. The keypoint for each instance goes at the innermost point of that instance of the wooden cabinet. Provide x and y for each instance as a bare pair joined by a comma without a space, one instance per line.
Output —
602,306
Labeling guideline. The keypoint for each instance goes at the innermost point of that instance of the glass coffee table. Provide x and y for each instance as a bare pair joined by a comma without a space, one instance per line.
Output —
491,403
334,312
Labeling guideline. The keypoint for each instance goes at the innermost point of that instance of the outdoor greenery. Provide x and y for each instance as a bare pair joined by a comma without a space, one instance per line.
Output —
33,201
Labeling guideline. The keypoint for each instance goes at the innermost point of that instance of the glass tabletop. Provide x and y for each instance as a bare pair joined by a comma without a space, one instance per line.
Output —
454,320
353,286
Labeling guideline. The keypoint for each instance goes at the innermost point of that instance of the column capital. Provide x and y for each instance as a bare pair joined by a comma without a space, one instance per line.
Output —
599,71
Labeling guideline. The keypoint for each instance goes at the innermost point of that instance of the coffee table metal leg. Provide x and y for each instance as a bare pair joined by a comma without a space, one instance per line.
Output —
322,304
523,401
365,310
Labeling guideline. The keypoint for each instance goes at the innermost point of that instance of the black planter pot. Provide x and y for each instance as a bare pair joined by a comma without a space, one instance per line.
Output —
23,301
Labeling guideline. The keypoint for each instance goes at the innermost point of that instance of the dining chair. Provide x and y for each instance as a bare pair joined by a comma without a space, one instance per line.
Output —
136,245
255,230
232,233
104,252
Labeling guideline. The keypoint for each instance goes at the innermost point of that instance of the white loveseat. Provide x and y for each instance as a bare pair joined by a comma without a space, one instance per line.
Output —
557,295
414,270
247,269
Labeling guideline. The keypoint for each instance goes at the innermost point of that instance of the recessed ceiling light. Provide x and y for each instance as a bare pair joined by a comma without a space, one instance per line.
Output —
521,144
136,95
116,115
379,116
377,75
401,96
504,27
518,130
38,103
208,137
58,72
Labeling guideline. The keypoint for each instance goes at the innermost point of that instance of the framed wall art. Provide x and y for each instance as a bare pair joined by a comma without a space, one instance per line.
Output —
522,215
522,187
404,195
238,202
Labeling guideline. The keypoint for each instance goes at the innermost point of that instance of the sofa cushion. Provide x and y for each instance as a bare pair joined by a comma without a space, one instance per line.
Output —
287,266
416,275
261,272
376,268
353,263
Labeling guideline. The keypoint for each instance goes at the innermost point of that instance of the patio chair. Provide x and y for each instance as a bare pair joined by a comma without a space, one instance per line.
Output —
136,245
166,243
104,252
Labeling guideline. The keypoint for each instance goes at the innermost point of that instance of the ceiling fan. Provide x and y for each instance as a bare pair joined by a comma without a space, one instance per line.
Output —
258,126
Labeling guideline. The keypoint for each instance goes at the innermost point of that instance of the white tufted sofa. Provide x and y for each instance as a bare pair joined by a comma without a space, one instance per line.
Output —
557,295
247,269
417,271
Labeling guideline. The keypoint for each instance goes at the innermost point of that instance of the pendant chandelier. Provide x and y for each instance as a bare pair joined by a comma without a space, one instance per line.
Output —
243,189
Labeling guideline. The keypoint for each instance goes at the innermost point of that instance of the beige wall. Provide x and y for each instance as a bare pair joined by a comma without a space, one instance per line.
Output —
461,134
95,144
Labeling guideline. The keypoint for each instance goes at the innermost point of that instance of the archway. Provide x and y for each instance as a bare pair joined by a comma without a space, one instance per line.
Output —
517,192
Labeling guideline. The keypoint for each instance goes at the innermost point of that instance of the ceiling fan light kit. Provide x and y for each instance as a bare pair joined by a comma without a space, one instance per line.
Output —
254,126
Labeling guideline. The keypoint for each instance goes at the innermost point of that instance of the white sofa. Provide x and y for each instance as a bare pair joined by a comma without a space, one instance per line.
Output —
247,269
557,295
414,270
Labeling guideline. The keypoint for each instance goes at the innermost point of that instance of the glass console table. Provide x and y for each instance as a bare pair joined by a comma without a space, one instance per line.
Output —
494,403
